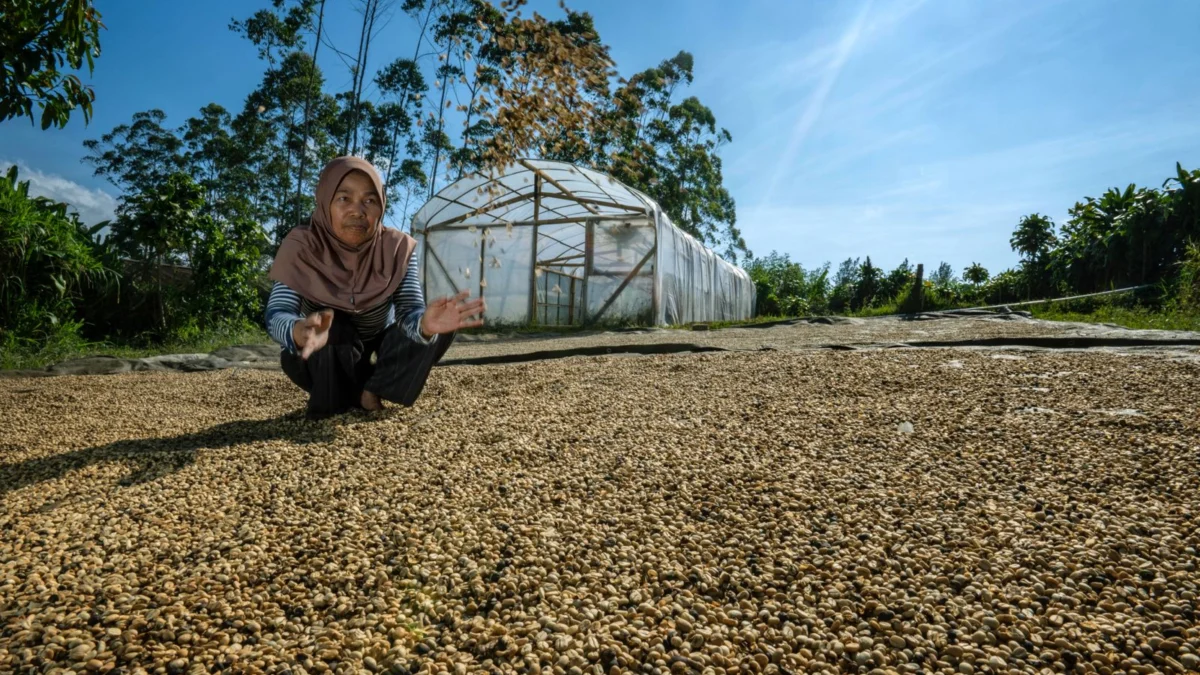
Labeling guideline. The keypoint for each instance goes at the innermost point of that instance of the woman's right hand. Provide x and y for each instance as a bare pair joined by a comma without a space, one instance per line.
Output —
312,332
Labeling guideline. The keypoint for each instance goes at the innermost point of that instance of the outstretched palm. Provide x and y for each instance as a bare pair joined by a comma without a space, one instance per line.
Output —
447,315
312,332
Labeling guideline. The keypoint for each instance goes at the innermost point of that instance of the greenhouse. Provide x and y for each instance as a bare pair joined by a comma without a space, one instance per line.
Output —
550,243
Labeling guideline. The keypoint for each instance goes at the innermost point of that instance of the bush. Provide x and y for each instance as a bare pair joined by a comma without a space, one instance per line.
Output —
1187,289
784,288
47,261
224,284
1007,286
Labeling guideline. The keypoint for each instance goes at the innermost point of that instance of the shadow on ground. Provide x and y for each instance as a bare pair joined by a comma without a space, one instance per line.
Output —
153,458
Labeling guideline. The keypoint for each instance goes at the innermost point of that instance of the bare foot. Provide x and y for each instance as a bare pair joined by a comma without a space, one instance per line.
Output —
371,401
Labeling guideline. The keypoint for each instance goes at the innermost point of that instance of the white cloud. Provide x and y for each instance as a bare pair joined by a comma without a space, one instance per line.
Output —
93,206
816,103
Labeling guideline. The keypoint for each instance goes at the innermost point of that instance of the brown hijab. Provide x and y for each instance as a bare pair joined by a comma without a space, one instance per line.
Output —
317,265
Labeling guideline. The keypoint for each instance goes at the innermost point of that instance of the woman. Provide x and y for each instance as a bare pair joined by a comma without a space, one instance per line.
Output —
346,287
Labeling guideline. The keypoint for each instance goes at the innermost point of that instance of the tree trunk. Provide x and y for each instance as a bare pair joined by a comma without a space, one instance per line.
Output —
162,310
370,13
362,76
404,93
359,64
287,171
307,112
467,125
437,153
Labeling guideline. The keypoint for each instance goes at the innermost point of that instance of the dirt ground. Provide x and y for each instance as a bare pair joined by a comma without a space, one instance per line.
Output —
916,510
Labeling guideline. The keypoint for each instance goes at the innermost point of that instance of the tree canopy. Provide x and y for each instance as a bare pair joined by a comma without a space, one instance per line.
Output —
39,40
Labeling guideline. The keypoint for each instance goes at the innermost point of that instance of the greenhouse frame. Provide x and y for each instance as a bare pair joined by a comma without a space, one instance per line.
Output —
551,243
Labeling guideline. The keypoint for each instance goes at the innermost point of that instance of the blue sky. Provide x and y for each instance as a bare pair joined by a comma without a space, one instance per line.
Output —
891,128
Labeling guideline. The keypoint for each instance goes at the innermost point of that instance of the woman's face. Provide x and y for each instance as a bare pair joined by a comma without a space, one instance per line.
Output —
356,209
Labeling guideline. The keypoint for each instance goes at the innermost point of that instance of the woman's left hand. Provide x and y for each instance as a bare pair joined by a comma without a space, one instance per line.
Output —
447,315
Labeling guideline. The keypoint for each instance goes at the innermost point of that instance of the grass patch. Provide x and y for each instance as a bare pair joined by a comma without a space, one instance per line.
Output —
881,310
1141,318
18,355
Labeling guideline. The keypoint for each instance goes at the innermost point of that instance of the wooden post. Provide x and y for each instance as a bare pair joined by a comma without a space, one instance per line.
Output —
533,254
482,262
918,302
654,278
571,304
588,260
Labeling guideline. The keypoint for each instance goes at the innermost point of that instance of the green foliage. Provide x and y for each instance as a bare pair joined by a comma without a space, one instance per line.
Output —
867,290
38,39
393,139
784,288
46,263
668,149
1033,238
1136,317
976,274
186,340
159,225
287,124
136,157
1187,290
897,281
164,228
943,276
224,265
1128,237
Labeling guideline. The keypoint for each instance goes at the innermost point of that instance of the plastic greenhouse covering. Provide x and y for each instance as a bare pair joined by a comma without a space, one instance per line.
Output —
550,243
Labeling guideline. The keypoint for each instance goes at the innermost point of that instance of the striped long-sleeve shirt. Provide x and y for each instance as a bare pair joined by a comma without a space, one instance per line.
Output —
406,306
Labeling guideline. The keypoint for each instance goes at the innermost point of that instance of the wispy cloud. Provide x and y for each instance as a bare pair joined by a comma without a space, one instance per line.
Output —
816,102
1037,159
962,208
93,206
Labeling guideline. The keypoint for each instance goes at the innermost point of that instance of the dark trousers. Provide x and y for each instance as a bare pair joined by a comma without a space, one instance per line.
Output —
336,375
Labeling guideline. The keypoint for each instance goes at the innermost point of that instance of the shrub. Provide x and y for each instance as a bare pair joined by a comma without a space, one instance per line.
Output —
46,262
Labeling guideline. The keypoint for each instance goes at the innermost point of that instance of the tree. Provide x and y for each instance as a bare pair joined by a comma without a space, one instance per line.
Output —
393,128
304,157
784,288
867,289
209,155
136,157
848,272
403,85
356,112
943,276
451,31
1033,239
1183,191
285,122
37,39
545,97
393,142
668,150
477,74
976,274
896,281
157,227
224,266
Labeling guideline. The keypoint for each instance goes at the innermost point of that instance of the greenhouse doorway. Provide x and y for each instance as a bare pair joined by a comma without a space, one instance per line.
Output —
559,299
